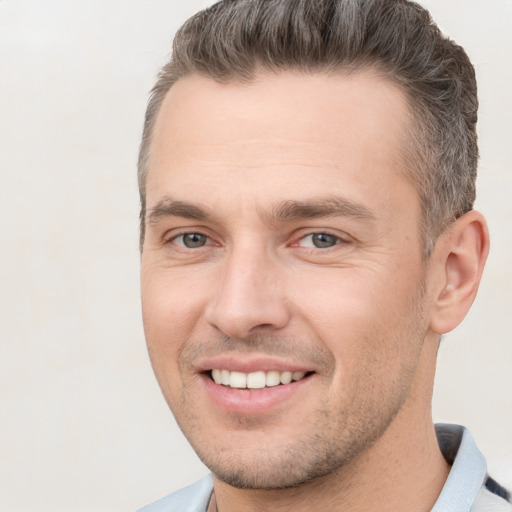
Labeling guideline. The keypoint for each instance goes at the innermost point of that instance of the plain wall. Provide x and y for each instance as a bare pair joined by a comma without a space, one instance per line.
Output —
83,425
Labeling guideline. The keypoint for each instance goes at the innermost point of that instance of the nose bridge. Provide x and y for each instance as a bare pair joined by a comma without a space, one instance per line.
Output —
249,292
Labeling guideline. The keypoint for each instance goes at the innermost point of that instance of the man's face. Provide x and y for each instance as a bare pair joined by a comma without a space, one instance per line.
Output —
282,241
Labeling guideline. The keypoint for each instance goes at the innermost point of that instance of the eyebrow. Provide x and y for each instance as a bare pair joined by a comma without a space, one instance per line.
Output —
288,210
325,207
169,208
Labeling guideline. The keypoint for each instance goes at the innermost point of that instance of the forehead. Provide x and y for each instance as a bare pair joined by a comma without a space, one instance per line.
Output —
273,131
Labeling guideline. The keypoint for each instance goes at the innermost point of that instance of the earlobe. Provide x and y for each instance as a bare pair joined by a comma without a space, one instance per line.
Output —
462,258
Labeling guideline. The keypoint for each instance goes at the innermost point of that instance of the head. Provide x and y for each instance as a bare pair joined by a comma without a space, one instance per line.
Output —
300,163
398,39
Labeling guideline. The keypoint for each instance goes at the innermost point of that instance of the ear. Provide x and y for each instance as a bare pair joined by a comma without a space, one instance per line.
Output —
460,259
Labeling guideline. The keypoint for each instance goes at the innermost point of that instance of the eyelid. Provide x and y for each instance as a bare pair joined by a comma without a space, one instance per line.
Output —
182,237
335,239
342,238
170,236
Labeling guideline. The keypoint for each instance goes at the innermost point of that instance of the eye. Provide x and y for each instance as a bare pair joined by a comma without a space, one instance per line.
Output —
191,240
319,241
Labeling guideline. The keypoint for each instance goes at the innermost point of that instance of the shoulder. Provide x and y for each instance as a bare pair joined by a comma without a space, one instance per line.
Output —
490,502
193,498
468,486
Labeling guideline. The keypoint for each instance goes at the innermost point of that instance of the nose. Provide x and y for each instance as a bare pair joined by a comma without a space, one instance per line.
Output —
249,295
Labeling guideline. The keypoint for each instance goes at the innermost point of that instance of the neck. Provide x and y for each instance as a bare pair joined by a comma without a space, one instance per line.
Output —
410,481
403,470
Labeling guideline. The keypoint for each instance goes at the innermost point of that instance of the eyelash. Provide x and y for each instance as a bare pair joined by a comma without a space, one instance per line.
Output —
336,239
317,238
175,237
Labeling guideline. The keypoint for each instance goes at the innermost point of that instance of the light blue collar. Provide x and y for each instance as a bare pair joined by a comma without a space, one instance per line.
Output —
468,473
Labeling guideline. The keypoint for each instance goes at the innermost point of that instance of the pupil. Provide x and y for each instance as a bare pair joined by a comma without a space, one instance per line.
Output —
322,240
192,240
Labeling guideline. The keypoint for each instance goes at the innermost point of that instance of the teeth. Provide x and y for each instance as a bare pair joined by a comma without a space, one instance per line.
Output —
217,376
255,380
272,379
286,377
238,380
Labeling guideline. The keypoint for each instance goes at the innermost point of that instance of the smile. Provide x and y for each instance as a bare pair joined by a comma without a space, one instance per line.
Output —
254,380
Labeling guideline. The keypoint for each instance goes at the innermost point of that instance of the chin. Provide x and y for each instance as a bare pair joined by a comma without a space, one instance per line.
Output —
277,467
265,478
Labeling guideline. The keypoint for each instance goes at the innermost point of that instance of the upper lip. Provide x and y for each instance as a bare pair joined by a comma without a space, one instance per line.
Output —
250,364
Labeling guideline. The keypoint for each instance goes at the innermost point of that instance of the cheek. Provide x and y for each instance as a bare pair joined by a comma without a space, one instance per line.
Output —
170,313
170,306
347,300
363,318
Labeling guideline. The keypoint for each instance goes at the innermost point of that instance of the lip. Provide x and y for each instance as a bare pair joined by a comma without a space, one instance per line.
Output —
250,365
252,401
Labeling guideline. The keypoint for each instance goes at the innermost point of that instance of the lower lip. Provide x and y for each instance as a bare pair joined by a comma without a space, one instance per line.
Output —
252,401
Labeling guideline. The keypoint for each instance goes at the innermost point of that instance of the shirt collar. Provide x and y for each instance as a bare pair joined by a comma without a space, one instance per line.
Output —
468,472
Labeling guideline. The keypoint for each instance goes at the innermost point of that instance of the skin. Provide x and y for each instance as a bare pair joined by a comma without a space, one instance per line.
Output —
257,171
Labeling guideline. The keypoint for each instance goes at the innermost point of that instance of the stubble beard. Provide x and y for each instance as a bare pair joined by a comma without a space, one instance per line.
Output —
308,460
327,446
330,443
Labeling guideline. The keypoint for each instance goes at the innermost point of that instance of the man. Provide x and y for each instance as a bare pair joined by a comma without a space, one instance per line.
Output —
307,178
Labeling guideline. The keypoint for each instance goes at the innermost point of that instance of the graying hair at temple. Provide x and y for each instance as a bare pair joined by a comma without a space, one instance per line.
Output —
234,39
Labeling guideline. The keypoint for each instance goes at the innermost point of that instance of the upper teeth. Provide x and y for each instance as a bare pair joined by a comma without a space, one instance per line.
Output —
255,380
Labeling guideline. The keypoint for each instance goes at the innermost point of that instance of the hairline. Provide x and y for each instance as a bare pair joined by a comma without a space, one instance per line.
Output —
411,148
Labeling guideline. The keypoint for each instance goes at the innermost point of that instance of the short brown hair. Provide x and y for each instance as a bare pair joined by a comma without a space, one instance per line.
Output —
232,39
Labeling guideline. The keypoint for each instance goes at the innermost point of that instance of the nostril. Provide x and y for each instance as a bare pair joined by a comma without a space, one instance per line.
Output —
261,326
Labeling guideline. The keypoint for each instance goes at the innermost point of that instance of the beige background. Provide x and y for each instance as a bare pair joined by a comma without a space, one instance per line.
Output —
83,426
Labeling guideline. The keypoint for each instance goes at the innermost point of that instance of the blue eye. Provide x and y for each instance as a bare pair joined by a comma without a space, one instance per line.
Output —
191,240
320,240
